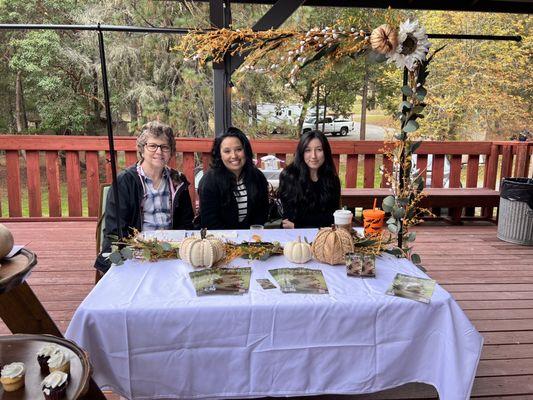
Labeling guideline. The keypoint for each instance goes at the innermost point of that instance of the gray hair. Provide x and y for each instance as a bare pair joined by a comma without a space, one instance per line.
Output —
155,129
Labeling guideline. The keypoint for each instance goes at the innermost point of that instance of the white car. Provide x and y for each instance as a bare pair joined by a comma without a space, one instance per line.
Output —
339,126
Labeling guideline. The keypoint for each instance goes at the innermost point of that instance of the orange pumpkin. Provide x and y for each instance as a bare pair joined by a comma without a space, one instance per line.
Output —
384,39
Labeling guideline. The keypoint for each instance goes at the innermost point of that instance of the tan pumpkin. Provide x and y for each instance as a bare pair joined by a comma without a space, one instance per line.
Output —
203,251
6,241
331,245
384,39
298,252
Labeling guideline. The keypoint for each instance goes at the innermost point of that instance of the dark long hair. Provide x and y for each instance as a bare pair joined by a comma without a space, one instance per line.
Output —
225,178
295,188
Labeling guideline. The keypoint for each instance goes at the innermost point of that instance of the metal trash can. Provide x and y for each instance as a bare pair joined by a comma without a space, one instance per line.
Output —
515,217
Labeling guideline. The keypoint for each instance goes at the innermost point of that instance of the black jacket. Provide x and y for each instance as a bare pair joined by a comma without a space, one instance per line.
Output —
131,194
302,215
218,206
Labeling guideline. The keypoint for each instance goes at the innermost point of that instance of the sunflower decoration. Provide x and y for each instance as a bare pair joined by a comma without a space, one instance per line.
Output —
413,46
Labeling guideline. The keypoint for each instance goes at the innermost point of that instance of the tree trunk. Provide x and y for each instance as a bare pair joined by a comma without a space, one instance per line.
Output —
20,110
305,103
317,105
96,104
11,123
253,112
133,112
362,128
325,111
139,111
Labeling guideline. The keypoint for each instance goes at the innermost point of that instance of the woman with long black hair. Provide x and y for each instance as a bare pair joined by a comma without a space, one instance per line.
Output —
233,192
309,188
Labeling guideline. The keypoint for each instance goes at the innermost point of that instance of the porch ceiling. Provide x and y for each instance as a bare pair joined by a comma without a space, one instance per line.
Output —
504,6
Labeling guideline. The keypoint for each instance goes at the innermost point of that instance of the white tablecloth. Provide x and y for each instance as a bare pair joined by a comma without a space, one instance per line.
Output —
149,336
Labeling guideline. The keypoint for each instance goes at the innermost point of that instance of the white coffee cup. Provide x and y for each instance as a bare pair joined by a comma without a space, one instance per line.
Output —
343,219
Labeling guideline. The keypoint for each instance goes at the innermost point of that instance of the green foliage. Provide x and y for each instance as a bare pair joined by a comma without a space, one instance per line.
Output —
476,86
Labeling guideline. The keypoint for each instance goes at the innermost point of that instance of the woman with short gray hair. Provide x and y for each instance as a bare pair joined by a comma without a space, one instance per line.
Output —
152,195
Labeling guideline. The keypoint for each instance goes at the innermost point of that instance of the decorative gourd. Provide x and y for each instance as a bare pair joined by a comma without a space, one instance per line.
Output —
331,245
384,39
6,241
298,252
203,251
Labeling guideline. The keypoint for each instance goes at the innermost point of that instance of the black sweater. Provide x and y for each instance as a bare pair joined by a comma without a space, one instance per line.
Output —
304,215
218,206
131,194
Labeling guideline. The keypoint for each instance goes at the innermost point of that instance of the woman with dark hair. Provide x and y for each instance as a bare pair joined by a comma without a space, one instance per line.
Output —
152,196
309,188
233,193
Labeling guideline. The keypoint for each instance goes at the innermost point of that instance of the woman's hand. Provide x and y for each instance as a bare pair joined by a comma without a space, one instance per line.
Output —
286,224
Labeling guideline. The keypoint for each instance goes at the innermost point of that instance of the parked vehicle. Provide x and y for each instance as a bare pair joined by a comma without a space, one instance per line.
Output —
339,126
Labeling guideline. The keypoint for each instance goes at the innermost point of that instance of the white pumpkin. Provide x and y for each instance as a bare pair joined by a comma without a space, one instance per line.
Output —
6,241
203,251
298,252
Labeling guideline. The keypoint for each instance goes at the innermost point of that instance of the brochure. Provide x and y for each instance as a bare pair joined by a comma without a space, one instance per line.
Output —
221,281
266,284
411,287
300,280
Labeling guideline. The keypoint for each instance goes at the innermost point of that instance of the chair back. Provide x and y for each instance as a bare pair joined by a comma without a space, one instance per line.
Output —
104,190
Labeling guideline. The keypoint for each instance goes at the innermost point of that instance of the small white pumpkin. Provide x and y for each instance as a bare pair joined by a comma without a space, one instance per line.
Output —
298,252
6,241
203,251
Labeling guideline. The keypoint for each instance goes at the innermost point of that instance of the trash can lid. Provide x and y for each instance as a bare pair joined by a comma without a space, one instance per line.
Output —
518,189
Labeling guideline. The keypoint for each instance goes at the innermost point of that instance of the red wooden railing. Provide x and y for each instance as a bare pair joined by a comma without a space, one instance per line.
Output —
52,165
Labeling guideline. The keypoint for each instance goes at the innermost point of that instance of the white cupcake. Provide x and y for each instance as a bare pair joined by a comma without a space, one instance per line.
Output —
59,361
12,376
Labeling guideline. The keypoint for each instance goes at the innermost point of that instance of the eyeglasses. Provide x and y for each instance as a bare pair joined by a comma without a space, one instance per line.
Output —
152,147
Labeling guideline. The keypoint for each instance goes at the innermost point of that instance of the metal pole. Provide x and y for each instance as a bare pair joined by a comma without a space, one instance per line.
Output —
184,31
109,123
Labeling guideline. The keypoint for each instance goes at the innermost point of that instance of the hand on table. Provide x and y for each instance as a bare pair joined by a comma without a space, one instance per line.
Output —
286,224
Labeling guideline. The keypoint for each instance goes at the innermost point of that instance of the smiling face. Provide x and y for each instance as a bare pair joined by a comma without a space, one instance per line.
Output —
232,155
156,160
314,155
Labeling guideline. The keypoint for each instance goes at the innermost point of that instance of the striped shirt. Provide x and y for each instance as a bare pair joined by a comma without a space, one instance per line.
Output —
242,199
156,211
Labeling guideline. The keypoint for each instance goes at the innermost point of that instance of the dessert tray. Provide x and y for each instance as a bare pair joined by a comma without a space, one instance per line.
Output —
24,348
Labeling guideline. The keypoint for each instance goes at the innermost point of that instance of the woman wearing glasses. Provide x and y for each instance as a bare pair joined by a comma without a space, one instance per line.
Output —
152,196
233,193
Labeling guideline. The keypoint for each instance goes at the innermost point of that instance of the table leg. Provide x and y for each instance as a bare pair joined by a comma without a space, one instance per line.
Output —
22,312
94,392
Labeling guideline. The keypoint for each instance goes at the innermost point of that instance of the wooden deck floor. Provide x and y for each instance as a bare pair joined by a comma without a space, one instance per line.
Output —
492,281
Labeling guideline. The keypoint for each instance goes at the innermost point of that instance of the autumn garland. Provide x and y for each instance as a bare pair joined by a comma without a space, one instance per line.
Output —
405,44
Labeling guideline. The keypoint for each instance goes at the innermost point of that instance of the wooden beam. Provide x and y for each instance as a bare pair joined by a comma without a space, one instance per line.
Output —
502,6
220,17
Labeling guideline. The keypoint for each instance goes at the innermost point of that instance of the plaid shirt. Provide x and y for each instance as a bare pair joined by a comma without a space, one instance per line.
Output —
156,207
